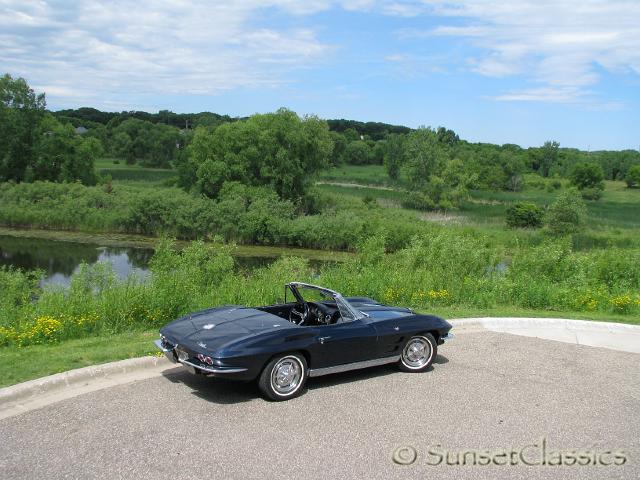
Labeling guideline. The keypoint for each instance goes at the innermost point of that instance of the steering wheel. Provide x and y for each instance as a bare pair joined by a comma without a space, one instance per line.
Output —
299,317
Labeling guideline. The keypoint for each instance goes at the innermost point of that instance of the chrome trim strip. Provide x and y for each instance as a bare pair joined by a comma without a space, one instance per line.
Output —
353,366
448,336
214,369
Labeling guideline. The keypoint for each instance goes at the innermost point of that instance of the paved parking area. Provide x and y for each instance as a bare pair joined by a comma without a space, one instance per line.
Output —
488,391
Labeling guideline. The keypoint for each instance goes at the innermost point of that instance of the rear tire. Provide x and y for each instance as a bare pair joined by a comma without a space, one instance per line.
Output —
283,377
418,353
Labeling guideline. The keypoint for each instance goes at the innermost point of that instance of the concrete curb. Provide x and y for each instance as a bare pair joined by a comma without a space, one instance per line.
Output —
614,336
533,322
81,376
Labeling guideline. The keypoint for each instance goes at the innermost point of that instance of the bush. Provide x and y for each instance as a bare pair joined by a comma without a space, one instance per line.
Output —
524,215
418,201
633,176
591,193
567,214
536,182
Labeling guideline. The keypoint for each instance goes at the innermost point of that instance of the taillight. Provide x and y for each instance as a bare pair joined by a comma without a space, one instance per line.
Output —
205,359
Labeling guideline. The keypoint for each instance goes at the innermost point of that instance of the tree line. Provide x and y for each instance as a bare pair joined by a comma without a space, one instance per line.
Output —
281,151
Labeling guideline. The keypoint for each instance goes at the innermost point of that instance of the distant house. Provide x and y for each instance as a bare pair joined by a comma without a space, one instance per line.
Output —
81,130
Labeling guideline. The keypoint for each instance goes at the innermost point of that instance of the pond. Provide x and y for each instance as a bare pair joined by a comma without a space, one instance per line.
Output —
60,259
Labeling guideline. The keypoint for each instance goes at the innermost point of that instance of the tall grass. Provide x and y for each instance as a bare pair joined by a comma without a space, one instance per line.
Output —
437,269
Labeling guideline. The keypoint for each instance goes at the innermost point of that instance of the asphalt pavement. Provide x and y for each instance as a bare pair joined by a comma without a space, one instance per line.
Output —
490,398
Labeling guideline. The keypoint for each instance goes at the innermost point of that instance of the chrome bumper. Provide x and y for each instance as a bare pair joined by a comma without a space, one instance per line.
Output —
169,353
448,336
192,367
216,370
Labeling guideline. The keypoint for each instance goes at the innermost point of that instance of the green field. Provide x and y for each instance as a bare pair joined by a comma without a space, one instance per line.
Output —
134,174
612,220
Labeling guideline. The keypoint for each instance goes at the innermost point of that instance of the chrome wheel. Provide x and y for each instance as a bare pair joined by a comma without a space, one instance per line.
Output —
417,353
286,375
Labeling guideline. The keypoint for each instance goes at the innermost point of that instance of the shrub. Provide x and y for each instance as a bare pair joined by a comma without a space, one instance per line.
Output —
633,176
591,193
567,214
536,182
524,215
418,201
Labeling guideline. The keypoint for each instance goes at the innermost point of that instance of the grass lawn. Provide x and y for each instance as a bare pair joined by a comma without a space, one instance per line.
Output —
123,173
361,174
27,363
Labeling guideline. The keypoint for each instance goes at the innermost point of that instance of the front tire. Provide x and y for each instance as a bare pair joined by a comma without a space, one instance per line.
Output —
418,353
283,377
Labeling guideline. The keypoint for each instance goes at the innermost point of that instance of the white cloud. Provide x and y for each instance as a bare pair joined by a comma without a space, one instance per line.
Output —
93,50
100,51
559,45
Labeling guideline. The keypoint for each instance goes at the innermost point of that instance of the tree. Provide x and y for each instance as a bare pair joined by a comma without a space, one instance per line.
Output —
279,150
63,156
357,153
393,155
121,145
339,147
548,157
423,157
81,165
21,111
513,168
567,214
447,137
633,176
587,175
376,156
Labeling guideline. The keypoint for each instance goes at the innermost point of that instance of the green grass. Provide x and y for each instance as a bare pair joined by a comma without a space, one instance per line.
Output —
27,363
361,192
361,174
136,174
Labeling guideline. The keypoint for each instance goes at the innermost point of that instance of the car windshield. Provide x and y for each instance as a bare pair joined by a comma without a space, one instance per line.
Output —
312,293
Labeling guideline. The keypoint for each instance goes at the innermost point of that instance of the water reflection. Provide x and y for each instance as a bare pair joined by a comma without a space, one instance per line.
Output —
59,260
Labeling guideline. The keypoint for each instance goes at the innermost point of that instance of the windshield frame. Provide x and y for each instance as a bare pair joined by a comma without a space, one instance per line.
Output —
347,311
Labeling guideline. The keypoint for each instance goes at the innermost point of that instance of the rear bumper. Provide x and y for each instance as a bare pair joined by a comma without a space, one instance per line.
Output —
168,352
214,370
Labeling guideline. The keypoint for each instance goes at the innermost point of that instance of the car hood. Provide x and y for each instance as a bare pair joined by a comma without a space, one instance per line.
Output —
213,328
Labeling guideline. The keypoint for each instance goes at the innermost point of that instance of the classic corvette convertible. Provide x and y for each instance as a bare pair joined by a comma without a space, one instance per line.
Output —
316,333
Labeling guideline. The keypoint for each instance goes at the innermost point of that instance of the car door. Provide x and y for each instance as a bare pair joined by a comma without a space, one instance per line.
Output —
344,342
391,336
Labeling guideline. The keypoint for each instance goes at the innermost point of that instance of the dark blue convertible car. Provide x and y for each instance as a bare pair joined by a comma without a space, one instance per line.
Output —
316,333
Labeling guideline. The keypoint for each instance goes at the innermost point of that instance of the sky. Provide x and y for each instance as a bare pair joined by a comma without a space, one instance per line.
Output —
494,71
